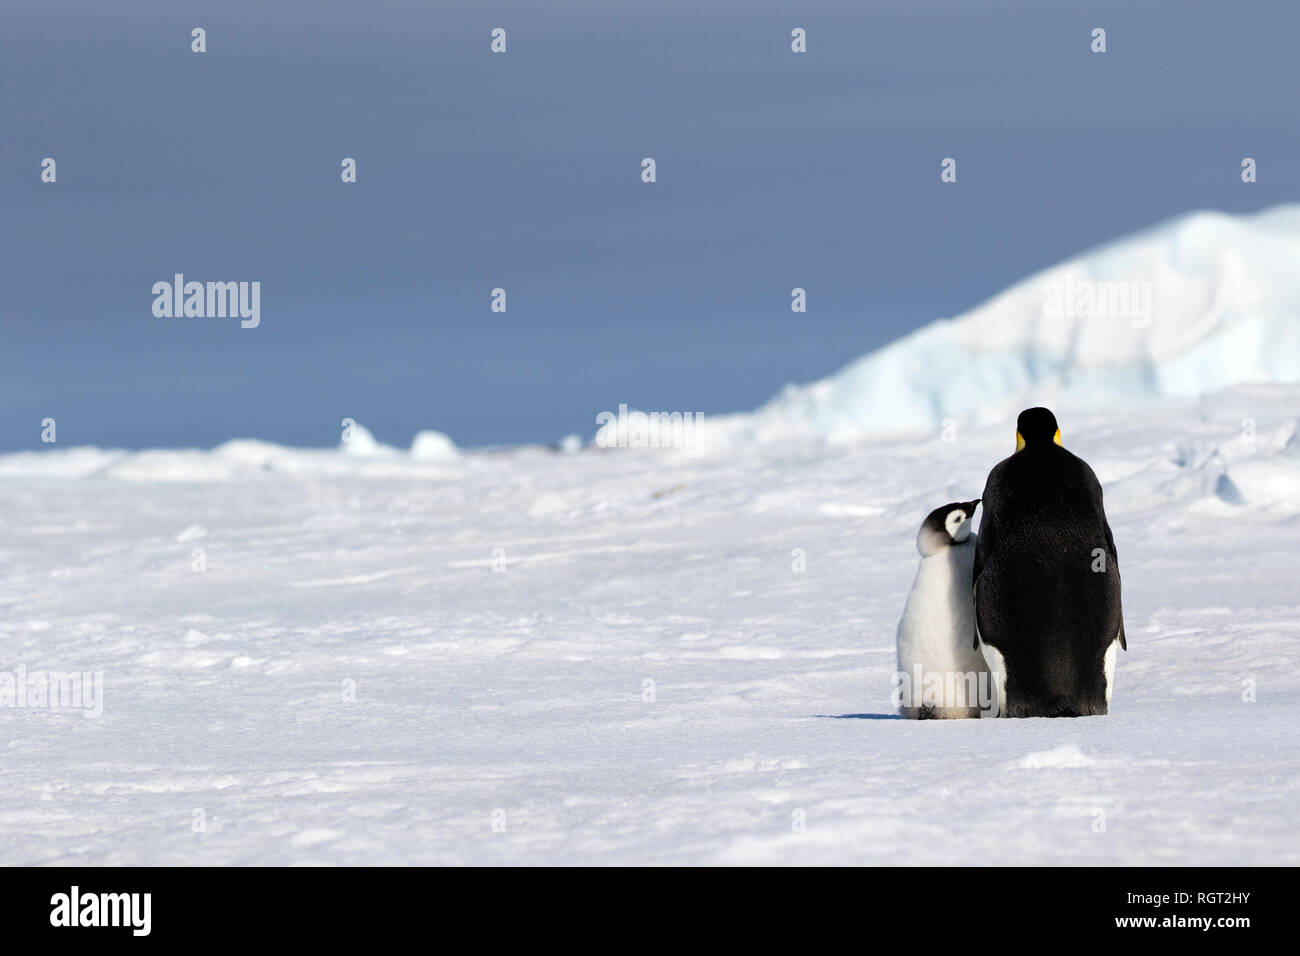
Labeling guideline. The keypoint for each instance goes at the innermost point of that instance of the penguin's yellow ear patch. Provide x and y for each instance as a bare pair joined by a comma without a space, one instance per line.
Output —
1057,437
1020,440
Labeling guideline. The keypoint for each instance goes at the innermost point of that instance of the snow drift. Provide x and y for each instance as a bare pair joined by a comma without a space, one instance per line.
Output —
1192,306
359,454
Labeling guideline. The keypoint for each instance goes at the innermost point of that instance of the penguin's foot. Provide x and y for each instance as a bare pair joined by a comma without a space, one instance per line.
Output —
934,712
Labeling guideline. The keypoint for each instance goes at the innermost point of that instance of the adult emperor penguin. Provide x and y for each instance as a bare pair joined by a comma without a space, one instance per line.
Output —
939,673
1046,580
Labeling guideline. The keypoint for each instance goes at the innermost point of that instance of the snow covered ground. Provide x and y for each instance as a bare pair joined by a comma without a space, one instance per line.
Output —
498,616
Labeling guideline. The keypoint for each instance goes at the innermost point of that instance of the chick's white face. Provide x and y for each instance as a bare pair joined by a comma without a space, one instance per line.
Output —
945,526
957,524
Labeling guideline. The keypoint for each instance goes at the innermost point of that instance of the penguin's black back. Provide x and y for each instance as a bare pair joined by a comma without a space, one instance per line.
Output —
1039,600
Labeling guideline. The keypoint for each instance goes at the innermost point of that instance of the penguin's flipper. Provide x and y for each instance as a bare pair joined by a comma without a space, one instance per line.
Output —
984,542
981,546
1114,558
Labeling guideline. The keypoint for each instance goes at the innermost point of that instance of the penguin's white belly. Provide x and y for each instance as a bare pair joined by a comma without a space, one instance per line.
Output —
1108,666
937,659
997,665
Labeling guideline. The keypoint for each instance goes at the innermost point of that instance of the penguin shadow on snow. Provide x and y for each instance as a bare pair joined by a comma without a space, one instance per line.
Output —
859,716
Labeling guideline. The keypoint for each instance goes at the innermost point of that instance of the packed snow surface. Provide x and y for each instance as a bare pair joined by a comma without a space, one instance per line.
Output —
630,656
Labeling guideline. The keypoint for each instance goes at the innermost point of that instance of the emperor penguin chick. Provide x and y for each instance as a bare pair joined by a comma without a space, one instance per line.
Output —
940,673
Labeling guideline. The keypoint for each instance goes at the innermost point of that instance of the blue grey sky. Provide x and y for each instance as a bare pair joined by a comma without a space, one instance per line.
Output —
522,170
